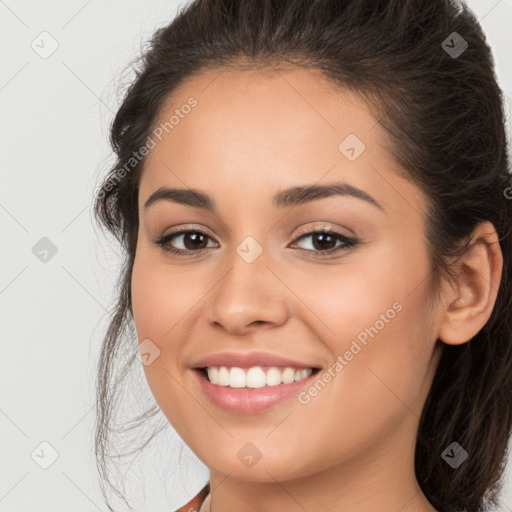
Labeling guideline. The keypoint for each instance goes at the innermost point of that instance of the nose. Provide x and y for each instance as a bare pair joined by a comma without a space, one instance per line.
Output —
249,296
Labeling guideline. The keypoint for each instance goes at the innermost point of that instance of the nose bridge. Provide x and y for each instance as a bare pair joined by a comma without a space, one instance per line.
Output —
248,292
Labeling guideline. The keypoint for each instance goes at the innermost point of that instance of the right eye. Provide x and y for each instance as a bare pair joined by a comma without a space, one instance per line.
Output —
194,238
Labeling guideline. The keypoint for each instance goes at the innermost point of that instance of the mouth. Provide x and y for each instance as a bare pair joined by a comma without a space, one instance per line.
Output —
252,390
254,377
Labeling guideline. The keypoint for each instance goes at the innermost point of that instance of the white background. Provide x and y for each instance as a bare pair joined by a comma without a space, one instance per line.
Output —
55,114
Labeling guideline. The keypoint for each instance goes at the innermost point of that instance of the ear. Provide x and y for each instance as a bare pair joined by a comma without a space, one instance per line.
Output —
469,304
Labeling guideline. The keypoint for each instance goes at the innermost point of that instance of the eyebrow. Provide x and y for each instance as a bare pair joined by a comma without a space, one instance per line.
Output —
289,197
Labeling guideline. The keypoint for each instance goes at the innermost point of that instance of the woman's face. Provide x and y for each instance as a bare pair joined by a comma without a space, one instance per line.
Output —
361,313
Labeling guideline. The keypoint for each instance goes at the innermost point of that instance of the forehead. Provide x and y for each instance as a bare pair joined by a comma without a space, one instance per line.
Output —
255,130
266,109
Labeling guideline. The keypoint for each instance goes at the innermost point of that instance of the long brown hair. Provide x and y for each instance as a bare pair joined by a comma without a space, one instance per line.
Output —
427,73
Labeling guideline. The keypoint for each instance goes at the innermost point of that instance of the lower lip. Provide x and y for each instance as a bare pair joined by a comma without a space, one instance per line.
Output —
250,400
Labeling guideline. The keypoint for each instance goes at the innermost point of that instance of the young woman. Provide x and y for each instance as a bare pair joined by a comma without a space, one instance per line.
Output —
312,199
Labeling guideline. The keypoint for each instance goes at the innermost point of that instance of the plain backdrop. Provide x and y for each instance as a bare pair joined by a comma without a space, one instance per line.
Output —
58,92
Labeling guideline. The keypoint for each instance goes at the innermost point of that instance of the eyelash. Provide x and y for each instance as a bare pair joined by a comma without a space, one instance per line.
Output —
347,242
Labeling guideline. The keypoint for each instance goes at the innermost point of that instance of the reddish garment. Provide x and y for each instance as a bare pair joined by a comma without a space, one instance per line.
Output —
195,503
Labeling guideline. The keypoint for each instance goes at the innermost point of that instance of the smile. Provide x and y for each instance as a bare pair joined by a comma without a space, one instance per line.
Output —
242,391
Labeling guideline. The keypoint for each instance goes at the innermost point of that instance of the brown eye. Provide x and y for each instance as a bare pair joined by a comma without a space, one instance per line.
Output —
192,241
324,241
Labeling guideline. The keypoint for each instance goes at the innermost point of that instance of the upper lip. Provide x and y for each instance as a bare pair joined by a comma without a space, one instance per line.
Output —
248,359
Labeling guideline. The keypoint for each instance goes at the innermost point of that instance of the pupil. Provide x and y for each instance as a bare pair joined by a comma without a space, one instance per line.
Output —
322,237
195,237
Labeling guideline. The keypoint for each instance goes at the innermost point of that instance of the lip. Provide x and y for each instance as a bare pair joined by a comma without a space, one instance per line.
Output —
248,359
250,400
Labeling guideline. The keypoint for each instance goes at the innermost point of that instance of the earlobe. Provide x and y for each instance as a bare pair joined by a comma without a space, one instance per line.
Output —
471,300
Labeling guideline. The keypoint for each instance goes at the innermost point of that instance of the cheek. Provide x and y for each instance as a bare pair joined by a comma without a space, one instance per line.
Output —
161,298
162,295
349,297
377,318
379,327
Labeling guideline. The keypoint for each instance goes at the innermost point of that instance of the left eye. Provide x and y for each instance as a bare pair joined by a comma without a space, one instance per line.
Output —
193,241
327,237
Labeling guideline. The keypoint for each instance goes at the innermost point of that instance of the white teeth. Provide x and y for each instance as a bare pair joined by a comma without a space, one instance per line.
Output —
255,377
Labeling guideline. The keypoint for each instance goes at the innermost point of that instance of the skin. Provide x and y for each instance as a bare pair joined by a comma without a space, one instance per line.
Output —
351,448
